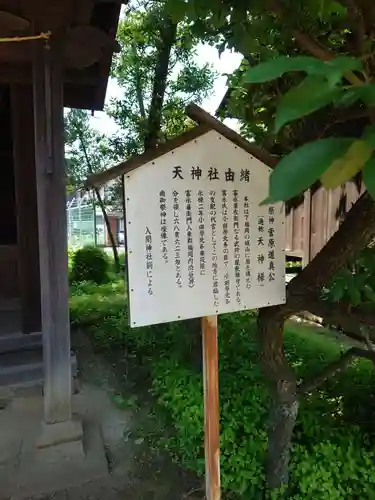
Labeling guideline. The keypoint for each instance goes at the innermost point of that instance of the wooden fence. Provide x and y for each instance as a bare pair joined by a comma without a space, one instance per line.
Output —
312,220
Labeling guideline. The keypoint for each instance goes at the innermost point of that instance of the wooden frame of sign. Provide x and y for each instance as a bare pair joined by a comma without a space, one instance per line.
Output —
199,244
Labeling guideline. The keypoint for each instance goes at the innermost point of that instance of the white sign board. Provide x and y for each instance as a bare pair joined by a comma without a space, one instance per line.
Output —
198,242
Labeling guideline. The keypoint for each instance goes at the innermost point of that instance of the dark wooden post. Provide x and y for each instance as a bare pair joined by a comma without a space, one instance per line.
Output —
27,217
51,197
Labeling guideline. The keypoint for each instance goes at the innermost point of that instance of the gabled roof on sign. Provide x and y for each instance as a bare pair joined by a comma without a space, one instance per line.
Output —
205,122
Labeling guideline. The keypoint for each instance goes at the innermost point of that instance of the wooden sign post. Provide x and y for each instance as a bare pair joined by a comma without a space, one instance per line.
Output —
211,406
200,244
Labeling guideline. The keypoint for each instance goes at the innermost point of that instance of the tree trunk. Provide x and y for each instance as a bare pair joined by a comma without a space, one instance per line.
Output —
102,207
283,386
167,39
138,85
109,230
282,419
355,233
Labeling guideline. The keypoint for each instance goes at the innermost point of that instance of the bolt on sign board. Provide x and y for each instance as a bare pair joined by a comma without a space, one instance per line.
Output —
199,243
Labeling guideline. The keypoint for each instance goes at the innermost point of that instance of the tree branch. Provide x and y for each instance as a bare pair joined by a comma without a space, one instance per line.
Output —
308,44
355,233
167,39
358,24
101,204
335,367
341,316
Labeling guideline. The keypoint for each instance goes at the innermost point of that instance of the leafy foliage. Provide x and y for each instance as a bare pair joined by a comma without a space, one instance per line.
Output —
355,283
303,65
335,423
90,264
77,129
330,71
303,166
316,91
135,69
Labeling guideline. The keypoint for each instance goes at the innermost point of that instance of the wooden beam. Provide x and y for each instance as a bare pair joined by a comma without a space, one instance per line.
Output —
22,73
50,180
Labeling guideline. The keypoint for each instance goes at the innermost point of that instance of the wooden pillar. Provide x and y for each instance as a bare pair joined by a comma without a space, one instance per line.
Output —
50,177
306,228
211,406
27,216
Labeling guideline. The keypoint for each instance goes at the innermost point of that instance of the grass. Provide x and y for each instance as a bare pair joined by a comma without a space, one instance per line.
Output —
332,454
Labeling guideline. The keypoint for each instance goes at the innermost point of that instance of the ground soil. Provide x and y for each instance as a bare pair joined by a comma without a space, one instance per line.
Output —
139,471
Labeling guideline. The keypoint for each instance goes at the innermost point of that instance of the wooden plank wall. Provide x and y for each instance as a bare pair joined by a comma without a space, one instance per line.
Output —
312,223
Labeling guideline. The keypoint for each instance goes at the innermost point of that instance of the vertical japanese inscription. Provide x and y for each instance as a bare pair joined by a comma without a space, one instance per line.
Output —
189,235
261,250
202,253
214,261
149,260
247,242
271,243
237,250
163,226
177,237
224,207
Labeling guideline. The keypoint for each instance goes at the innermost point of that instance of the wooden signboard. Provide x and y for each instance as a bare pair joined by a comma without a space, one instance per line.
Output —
199,245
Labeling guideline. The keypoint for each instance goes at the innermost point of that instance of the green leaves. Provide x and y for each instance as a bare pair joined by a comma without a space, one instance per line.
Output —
355,282
312,94
178,9
369,176
348,165
365,93
333,160
369,168
303,166
274,68
336,69
320,88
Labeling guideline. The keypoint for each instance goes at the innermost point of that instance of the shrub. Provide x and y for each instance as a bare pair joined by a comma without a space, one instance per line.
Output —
71,253
90,264
332,457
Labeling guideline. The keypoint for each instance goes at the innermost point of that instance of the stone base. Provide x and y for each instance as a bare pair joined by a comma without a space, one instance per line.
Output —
42,458
59,433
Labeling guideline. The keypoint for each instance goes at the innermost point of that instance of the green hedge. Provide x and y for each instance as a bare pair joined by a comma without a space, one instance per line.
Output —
332,455
90,263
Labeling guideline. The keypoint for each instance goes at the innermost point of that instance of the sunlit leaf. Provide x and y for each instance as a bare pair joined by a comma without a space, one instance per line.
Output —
302,167
325,9
274,68
312,94
348,166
